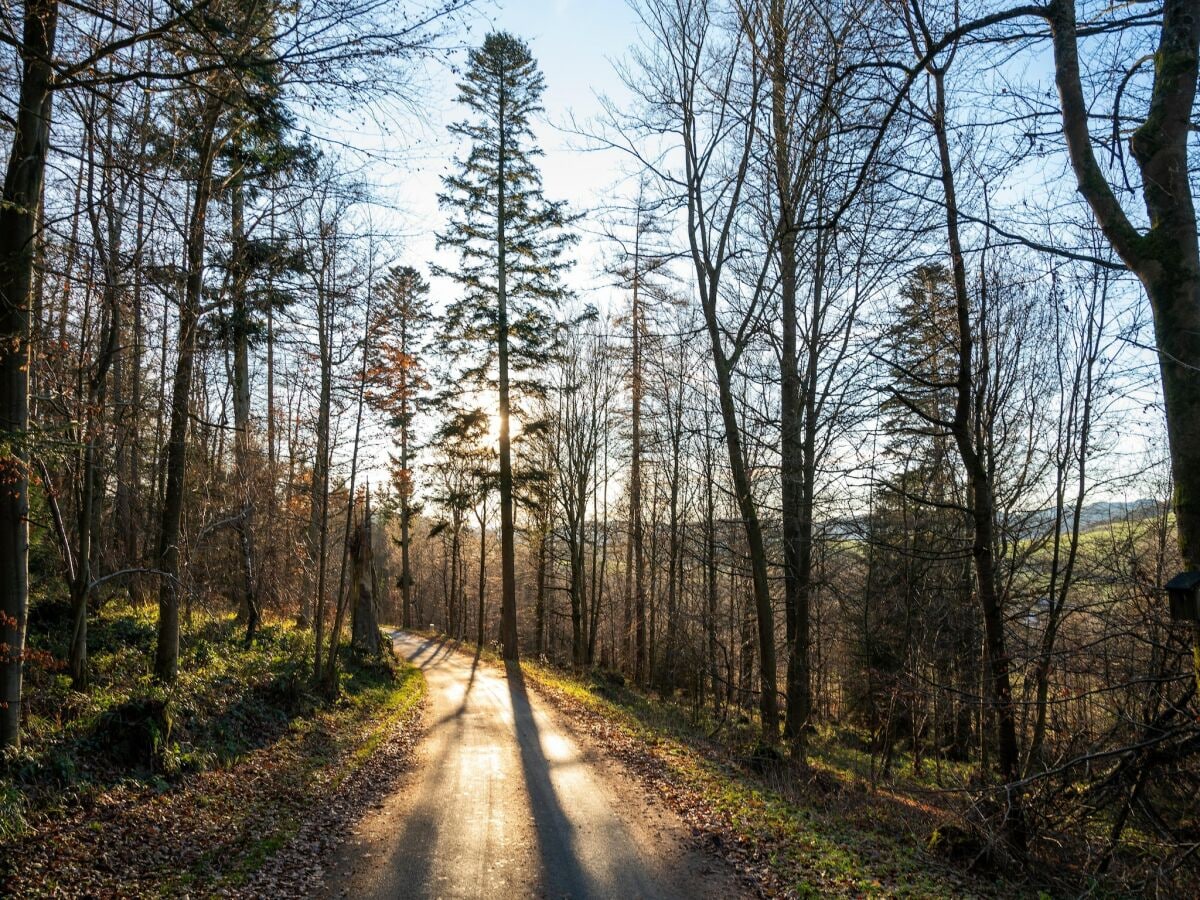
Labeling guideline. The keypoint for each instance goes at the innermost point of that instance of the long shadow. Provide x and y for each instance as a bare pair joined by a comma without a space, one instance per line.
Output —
462,707
435,647
562,875
474,666
409,872
424,647
446,647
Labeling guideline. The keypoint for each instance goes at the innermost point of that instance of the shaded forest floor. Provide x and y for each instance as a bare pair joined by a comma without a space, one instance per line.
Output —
234,781
819,832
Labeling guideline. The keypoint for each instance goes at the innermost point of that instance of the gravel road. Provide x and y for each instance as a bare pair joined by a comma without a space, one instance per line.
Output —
506,801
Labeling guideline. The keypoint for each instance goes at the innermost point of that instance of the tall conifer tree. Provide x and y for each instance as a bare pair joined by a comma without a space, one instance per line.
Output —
510,241
399,387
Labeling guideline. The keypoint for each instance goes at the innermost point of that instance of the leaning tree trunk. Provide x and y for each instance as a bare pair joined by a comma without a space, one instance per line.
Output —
1167,257
768,703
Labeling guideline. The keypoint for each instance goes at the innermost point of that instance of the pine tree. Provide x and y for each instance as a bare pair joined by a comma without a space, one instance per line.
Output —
399,382
510,241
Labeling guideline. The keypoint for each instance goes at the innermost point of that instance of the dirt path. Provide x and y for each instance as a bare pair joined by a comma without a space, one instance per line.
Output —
505,802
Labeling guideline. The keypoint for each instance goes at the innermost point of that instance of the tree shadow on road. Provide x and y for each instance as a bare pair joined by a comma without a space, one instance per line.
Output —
562,874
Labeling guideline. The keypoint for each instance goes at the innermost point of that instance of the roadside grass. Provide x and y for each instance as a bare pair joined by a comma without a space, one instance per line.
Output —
826,830
136,788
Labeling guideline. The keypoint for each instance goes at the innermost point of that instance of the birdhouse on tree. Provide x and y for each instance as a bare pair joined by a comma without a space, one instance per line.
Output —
1184,593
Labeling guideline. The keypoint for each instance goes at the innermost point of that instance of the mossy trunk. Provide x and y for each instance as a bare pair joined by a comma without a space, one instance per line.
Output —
364,608
18,215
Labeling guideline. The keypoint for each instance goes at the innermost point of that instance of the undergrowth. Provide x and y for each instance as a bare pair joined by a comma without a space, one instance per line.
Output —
129,740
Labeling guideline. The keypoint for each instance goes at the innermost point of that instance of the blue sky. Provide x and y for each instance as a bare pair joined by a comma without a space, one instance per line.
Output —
575,43
405,156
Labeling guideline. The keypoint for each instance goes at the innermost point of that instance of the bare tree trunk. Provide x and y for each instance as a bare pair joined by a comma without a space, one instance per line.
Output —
598,577
18,217
406,578
667,662
540,601
635,471
482,519
743,492
964,428
166,658
107,237
335,634
452,597
710,571
1166,258
129,516
311,600
710,230
1077,446
791,406
364,604
241,410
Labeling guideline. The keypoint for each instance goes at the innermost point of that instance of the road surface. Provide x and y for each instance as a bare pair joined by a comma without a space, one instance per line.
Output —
504,801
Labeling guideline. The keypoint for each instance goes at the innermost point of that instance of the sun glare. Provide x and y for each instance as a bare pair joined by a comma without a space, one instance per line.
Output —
493,432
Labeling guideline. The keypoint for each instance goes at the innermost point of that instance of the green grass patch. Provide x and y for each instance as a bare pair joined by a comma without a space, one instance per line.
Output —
216,771
821,831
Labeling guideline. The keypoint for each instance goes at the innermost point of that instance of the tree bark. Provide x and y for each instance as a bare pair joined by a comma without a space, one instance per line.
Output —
241,409
166,654
792,421
508,566
768,703
998,687
635,468
364,606
18,218
482,518
1166,259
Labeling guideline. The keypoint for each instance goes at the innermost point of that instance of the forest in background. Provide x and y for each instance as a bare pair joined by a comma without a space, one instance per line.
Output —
889,441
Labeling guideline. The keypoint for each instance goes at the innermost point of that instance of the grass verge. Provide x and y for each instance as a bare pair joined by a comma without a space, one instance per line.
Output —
133,789
818,832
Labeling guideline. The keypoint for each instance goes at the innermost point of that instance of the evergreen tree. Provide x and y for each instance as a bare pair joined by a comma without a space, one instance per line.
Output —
510,241
399,382
920,531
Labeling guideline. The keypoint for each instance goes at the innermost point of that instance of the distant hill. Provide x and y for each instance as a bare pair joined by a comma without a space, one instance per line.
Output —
1102,512
1093,515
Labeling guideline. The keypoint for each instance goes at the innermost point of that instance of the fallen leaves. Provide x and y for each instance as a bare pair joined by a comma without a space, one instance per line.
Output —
298,868
264,827
779,849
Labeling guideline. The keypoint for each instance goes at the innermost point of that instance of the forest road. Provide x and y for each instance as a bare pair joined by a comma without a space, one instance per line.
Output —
505,801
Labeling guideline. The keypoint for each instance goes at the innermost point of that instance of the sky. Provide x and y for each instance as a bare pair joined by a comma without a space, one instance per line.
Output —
575,43
404,154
